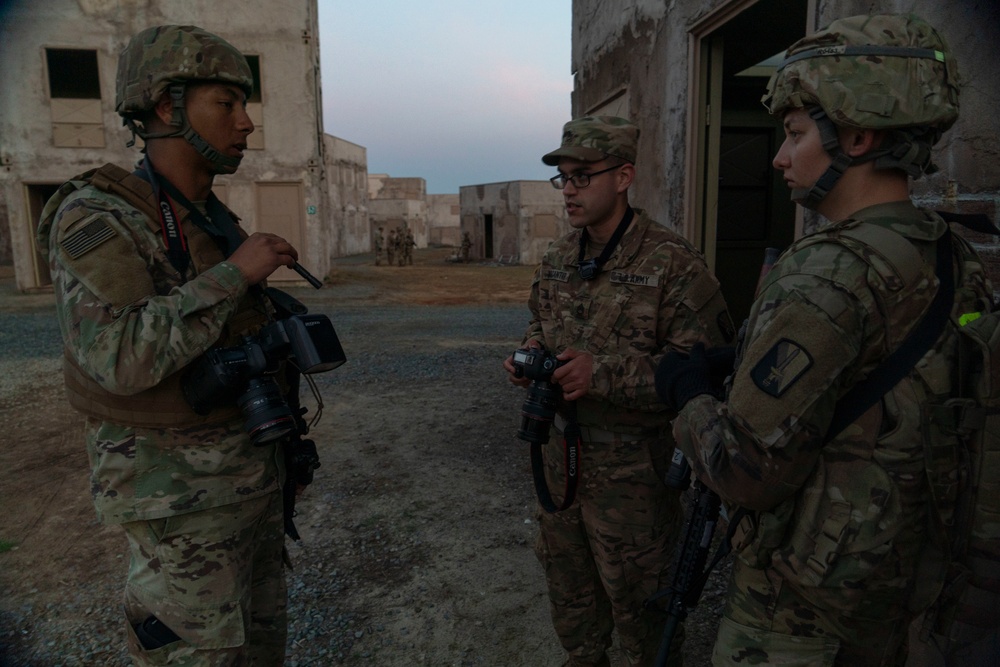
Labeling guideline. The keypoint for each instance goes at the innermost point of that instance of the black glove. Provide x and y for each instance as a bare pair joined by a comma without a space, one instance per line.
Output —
680,377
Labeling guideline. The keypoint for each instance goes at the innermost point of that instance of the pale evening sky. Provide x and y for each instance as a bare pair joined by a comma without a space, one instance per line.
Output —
458,92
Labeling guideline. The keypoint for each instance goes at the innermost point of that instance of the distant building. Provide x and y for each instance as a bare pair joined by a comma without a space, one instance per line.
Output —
514,221
396,203
691,74
57,119
444,220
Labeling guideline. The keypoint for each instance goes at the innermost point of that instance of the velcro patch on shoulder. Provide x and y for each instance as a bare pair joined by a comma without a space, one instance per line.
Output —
88,237
781,367
636,279
553,274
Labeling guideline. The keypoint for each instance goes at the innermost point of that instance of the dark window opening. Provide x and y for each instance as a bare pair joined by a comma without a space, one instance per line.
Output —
73,74
254,62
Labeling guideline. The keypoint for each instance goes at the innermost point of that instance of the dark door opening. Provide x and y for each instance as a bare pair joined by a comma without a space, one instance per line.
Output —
488,236
752,205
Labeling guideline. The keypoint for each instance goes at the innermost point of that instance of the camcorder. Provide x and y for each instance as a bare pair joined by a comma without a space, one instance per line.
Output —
539,408
247,373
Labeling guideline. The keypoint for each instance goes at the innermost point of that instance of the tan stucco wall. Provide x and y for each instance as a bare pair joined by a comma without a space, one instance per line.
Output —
521,212
347,179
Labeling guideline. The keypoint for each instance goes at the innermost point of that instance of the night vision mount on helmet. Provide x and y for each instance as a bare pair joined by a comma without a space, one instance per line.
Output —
881,72
166,59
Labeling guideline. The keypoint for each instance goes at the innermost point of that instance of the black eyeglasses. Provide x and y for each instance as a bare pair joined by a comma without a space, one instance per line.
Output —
579,180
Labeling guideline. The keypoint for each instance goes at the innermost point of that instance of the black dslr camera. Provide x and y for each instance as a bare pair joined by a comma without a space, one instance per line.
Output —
246,373
539,407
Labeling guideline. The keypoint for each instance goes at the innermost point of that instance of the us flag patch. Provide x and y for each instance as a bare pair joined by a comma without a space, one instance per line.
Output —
80,242
781,367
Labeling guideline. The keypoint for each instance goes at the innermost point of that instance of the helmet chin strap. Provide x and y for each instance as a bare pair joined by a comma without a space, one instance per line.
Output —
222,164
811,197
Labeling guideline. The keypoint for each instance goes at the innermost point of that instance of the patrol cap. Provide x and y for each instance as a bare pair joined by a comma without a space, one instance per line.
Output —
593,138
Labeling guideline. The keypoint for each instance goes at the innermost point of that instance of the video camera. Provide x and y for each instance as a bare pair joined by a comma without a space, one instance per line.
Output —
246,373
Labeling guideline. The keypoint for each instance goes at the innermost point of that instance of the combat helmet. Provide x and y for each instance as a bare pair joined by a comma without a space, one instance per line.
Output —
890,72
165,59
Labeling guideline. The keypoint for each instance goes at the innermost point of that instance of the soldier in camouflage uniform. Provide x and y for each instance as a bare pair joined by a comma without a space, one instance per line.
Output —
199,503
391,247
379,247
838,553
610,298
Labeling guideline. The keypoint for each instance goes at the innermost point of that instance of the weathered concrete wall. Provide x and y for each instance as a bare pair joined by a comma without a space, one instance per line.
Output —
397,202
639,49
443,220
285,38
346,172
526,217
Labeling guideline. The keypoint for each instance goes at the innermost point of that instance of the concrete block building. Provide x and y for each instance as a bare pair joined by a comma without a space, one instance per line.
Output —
394,203
691,74
57,119
514,221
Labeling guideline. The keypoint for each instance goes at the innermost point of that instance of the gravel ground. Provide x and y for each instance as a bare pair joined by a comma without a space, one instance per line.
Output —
382,570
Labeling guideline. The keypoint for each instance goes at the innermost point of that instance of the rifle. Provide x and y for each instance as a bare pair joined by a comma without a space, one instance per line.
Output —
690,574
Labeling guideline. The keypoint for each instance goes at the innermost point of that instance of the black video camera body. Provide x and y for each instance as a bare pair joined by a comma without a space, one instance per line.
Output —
246,373
539,407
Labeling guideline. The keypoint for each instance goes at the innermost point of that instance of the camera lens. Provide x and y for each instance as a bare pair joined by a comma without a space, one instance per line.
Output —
267,415
537,412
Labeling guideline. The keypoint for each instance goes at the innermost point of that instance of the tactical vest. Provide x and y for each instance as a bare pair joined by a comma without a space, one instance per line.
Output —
161,406
958,572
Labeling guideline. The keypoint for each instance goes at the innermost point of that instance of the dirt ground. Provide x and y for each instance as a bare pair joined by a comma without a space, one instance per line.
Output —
418,535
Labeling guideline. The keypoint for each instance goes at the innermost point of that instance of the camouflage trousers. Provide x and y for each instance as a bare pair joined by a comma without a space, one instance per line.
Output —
611,549
215,578
767,622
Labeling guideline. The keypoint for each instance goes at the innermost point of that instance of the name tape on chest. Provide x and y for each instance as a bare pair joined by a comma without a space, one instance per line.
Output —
80,242
553,274
636,279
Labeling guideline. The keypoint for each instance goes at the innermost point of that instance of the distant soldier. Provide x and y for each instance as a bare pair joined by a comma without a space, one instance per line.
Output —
409,245
390,247
401,246
379,247
466,246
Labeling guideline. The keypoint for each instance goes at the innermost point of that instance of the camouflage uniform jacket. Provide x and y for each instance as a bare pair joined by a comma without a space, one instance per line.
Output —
130,319
655,292
843,523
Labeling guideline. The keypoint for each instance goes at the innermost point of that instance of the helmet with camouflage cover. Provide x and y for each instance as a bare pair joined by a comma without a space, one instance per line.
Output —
890,72
164,59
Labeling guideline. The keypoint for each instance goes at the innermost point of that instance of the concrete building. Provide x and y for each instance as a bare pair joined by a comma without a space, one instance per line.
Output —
347,185
57,119
444,220
394,203
691,74
514,221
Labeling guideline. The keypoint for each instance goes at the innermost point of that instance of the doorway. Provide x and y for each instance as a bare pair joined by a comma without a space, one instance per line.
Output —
488,236
36,195
740,203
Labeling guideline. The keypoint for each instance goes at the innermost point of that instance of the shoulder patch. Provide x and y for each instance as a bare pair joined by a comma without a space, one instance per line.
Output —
90,236
553,274
636,279
781,367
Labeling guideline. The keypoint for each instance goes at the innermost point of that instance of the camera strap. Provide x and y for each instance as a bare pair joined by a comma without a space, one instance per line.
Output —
571,460
589,268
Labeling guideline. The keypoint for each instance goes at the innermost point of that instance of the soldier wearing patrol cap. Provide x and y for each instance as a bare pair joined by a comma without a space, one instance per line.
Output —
610,298
150,271
845,474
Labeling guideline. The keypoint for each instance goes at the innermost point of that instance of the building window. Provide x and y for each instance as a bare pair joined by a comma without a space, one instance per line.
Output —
75,94
255,107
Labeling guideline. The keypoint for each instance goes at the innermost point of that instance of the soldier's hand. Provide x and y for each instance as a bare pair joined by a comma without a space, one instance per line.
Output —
261,254
574,376
508,365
